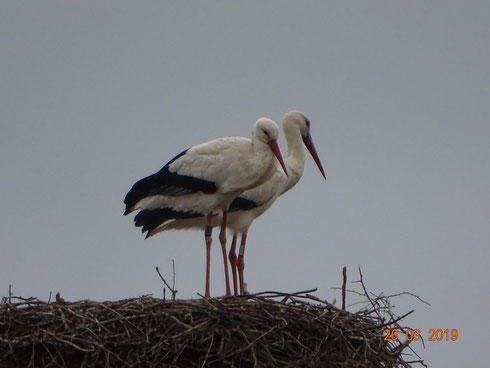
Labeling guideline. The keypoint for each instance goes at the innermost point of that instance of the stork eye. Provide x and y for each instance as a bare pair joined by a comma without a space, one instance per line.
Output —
307,123
266,133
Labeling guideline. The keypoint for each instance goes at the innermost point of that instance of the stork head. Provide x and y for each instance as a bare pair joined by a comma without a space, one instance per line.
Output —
299,120
266,131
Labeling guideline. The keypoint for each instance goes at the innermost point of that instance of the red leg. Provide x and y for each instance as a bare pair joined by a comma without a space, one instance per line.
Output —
222,239
232,258
240,263
207,236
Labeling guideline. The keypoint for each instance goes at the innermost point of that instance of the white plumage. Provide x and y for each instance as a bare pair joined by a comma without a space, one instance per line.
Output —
204,180
254,202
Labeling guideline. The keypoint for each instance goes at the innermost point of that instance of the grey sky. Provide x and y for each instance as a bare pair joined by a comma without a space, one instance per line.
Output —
95,95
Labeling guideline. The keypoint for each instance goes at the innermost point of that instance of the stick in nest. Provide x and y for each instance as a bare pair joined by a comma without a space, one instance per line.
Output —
171,288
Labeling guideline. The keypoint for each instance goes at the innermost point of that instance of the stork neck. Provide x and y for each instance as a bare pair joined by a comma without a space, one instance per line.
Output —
295,144
295,160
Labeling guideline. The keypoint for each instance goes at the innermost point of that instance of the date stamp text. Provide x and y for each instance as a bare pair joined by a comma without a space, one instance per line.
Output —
416,335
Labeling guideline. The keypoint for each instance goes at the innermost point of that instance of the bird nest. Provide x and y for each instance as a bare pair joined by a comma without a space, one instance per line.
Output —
268,329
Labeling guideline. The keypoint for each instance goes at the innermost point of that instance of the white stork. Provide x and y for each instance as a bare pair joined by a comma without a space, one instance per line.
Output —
204,180
251,203
254,202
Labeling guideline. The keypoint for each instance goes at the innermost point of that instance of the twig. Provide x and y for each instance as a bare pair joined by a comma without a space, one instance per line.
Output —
173,270
344,276
276,294
411,294
172,290
367,295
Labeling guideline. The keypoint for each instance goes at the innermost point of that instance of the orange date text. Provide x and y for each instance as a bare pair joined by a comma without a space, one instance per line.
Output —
415,335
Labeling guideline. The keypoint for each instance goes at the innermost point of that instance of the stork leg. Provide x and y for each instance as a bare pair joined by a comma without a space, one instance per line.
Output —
207,237
232,258
222,239
240,263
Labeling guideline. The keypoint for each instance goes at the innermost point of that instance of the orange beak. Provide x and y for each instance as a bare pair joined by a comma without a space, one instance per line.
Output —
275,149
311,147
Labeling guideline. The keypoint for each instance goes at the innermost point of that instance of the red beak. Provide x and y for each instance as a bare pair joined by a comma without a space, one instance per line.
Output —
275,149
311,147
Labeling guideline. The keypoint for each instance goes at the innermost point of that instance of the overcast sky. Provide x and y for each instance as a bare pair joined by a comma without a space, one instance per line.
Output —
95,95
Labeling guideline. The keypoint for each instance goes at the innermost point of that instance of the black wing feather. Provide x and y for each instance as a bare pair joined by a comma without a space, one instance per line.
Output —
165,182
242,204
149,220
